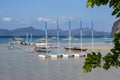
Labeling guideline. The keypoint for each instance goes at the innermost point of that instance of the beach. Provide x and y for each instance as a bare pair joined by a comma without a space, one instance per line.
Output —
21,65
58,39
99,48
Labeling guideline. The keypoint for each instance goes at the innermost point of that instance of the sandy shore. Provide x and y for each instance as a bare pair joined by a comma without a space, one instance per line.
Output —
20,65
99,48
96,48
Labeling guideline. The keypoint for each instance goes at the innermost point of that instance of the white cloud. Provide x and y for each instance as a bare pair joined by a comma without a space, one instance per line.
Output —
65,19
52,21
7,19
43,19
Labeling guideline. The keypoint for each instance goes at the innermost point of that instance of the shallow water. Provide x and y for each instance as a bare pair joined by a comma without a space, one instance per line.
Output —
20,65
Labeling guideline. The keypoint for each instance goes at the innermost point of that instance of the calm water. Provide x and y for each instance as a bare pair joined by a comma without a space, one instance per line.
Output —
20,65
85,40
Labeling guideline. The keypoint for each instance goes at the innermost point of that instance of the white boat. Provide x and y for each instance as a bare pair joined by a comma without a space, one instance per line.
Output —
54,38
42,47
42,39
70,38
106,38
17,40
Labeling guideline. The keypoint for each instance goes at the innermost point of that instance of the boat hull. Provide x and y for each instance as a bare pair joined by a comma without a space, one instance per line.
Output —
75,48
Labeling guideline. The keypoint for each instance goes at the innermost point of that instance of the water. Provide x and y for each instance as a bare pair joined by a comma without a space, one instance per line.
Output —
20,65
86,40
64,43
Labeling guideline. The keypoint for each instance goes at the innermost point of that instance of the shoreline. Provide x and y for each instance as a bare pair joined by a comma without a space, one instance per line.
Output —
99,48
96,48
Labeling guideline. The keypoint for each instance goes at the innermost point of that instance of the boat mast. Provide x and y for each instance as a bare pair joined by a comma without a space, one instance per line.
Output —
31,39
81,34
92,36
58,35
27,41
27,38
69,35
46,34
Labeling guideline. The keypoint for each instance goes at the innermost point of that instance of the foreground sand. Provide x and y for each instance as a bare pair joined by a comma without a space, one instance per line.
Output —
20,65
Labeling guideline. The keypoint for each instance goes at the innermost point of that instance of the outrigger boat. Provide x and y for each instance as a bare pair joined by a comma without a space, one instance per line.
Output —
75,48
42,47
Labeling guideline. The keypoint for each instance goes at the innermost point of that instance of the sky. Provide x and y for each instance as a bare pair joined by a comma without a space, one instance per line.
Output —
24,13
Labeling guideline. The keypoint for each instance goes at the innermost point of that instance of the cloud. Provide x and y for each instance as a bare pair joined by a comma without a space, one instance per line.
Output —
52,21
61,20
65,19
7,19
43,19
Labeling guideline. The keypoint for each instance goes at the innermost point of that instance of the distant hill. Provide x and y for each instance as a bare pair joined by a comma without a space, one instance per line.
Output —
5,32
51,32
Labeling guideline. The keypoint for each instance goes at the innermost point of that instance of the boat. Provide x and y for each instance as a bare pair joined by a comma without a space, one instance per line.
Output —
75,48
17,40
70,38
43,39
106,38
42,47
54,38
11,45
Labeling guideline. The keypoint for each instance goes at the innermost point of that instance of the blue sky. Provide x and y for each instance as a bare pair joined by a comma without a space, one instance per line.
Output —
24,13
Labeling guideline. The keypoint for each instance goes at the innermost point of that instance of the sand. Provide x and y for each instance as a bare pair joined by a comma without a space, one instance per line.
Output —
20,65
99,48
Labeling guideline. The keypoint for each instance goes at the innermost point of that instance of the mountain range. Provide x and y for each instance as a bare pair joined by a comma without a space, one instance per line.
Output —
50,32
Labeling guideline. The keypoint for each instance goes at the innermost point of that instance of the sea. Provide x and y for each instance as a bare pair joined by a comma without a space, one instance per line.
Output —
18,64
62,42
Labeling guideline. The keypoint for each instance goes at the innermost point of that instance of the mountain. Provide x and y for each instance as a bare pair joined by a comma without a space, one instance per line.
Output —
88,31
5,32
50,32
29,30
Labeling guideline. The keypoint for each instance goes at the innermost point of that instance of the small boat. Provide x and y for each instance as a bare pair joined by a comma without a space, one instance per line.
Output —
17,40
70,38
11,45
42,47
42,40
106,38
75,48
24,42
54,38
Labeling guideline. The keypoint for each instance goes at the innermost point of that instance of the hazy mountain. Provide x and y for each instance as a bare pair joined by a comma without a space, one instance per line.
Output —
50,32
5,32
29,30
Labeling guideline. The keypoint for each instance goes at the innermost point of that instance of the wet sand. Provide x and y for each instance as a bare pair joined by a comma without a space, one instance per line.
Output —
99,48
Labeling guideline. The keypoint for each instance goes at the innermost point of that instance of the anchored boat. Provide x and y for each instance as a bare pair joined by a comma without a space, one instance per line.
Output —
75,48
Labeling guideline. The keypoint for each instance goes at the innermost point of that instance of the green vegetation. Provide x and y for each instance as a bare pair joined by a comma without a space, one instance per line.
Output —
114,4
94,60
